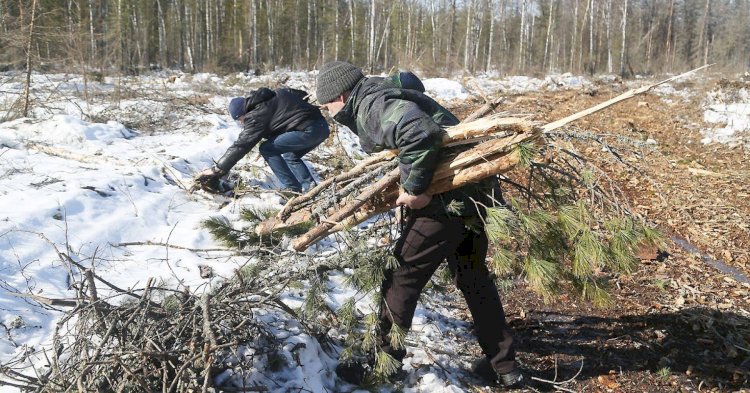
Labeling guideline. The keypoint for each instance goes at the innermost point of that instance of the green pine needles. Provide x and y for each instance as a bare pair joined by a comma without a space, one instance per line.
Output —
227,233
361,330
547,247
564,226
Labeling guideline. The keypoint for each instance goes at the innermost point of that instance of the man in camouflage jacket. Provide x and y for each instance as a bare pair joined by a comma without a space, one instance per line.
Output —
386,113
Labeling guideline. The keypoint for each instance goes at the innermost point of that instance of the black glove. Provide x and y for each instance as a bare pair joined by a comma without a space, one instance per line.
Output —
209,174
209,180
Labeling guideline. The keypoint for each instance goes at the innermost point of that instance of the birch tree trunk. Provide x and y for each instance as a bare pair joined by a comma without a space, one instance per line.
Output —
583,35
521,38
608,20
209,32
68,15
29,67
591,38
371,41
135,24
468,34
669,36
703,36
384,42
624,44
384,38
573,38
271,31
549,33
162,33
189,36
352,21
91,32
530,39
434,40
477,36
506,43
308,33
254,11
650,43
410,34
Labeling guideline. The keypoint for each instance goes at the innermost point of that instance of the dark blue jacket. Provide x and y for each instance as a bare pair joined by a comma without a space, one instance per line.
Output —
268,113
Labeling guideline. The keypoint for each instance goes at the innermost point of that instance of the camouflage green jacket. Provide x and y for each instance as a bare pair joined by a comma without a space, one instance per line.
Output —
386,116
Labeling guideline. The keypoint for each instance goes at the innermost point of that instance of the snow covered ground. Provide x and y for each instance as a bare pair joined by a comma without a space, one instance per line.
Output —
99,172
727,116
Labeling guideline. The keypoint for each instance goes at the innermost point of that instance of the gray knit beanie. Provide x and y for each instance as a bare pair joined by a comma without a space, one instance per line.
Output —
335,78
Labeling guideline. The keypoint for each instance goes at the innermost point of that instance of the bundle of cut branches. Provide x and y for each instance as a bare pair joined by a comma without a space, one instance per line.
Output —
372,186
474,151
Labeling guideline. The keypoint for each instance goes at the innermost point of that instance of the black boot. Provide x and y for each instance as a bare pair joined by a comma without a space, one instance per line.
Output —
354,372
483,369
513,379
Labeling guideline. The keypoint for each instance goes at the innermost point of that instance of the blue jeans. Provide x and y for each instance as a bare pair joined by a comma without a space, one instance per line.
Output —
283,153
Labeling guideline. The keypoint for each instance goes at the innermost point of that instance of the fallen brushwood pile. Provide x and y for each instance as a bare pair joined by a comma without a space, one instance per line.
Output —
158,339
473,151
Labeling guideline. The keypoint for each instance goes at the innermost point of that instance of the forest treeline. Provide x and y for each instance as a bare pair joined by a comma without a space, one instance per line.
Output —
506,36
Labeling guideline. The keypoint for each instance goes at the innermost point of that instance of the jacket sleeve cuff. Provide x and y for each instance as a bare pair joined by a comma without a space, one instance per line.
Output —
412,189
219,171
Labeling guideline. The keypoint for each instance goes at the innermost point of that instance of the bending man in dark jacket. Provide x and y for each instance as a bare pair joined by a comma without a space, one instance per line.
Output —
387,114
292,128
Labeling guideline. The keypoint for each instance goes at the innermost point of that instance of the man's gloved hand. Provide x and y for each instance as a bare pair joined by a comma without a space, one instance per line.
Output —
210,173
208,180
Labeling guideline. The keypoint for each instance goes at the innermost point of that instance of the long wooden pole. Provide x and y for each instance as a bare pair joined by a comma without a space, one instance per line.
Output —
622,97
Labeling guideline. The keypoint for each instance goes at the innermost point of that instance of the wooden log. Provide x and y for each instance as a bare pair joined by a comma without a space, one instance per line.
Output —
446,173
494,165
483,150
464,133
357,170
492,126
368,195
488,107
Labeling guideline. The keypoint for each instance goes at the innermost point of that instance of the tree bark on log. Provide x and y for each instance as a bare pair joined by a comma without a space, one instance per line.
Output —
370,197
488,107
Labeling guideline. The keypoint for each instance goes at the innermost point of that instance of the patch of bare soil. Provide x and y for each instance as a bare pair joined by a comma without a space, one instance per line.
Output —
678,323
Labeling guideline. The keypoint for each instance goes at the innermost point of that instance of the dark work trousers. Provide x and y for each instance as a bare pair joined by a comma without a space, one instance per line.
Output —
424,244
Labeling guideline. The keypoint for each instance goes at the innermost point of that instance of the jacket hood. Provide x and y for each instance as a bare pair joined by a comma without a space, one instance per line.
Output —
258,96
